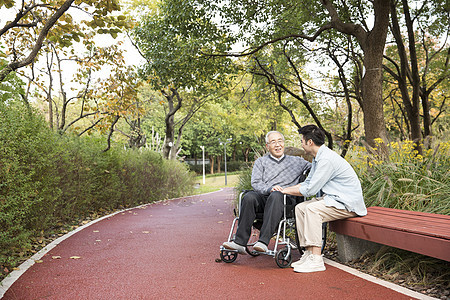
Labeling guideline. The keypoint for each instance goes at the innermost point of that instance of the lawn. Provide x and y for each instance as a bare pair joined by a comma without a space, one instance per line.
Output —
214,183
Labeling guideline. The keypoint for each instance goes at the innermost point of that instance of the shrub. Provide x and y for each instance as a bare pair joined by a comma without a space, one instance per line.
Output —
48,179
406,179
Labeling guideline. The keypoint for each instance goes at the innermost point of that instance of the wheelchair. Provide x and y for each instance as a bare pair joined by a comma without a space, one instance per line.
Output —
286,238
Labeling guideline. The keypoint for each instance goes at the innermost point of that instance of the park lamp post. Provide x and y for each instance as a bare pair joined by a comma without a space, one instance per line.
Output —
225,155
203,158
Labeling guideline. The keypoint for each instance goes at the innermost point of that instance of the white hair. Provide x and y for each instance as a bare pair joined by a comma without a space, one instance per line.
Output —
270,132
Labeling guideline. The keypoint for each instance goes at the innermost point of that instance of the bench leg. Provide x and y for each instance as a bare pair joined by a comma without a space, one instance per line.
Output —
351,248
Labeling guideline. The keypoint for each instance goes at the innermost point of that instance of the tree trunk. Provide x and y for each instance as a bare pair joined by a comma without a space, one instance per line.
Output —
211,164
170,121
245,152
372,43
408,77
372,81
168,143
372,96
426,114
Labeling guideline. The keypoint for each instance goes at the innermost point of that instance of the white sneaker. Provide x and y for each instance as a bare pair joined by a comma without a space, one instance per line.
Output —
302,259
260,247
313,263
233,246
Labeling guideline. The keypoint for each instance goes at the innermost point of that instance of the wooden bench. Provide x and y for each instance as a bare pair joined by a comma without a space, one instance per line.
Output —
424,233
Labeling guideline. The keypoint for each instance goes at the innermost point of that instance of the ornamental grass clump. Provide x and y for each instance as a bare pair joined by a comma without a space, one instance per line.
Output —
405,179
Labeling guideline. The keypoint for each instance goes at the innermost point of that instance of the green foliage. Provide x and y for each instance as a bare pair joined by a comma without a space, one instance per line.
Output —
48,179
245,181
406,180
418,271
12,86
182,32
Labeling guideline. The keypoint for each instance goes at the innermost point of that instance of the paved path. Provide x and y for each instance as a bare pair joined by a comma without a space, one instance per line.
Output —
167,250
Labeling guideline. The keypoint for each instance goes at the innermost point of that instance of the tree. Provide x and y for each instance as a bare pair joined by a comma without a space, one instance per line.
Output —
268,22
171,44
419,63
245,115
36,22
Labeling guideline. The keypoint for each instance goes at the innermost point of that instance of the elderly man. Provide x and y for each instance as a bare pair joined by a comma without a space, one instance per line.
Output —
342,198
271,173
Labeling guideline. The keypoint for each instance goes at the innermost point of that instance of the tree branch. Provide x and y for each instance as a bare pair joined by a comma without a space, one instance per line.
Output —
42,35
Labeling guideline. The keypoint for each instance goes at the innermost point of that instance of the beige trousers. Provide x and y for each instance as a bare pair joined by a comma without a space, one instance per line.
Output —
310,215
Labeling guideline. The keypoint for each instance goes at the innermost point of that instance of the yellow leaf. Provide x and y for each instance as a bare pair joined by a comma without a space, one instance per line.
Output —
75,257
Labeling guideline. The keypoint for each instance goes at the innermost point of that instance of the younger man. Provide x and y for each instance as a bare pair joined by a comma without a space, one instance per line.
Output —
342,198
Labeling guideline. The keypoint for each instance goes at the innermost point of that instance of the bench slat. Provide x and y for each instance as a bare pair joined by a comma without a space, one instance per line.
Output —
435,218
425,224
426,245
424,233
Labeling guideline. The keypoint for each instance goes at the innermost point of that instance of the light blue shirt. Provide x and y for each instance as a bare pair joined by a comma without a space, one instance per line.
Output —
338,181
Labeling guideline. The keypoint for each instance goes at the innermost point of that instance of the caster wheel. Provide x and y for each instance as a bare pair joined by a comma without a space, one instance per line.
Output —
228,256
282,258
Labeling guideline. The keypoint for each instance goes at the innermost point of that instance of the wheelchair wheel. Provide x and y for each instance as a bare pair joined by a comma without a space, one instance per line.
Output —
228,256
282,258
254,236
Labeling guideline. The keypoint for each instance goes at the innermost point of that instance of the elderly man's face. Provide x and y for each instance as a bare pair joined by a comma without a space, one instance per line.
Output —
275,145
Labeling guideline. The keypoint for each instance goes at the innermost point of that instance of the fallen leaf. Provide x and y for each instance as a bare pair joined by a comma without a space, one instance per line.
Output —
95,231
145,231
75,257
38,261
220,222
56,257
98,240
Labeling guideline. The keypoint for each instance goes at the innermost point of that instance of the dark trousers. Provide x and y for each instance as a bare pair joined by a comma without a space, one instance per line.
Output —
253,203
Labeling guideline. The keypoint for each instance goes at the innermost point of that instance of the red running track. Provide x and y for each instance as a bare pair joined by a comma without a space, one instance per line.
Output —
167,250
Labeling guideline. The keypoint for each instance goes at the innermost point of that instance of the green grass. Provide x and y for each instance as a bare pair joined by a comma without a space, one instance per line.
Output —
215,182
